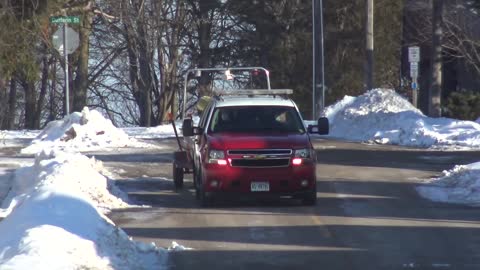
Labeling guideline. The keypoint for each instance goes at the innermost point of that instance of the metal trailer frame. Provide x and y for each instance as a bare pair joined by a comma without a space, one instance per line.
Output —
267,73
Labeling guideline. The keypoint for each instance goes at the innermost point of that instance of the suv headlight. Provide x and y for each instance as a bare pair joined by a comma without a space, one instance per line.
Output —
303,153
216,156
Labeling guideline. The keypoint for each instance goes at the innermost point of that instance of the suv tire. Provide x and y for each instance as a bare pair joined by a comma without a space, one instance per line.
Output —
205,200
196,183
310,199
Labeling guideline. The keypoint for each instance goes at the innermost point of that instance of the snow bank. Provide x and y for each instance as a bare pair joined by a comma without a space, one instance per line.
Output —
382,116
53,220
85,131
72,173
459,185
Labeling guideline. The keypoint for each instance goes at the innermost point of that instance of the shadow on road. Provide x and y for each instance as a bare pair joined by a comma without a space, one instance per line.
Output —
404,159
372,223
367,199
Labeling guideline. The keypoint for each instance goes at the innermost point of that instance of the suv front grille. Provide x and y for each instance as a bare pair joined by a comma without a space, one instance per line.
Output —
260,157
279,162
261,152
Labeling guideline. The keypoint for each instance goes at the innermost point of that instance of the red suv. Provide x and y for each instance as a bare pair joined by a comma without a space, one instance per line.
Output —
253,143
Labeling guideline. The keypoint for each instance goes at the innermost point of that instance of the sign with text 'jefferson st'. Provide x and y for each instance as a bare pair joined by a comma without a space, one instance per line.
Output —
65,19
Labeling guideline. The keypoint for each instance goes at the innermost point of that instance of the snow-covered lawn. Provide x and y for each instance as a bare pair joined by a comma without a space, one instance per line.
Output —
54,210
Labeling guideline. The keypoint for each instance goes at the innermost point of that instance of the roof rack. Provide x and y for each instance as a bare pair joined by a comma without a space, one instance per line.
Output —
253,92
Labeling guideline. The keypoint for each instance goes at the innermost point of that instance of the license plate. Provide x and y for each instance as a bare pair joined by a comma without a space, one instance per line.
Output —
259,186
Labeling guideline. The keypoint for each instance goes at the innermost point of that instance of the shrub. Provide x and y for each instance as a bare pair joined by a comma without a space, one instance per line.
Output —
463,105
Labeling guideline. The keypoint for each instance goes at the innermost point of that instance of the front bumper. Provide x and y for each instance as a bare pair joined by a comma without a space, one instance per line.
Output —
283,181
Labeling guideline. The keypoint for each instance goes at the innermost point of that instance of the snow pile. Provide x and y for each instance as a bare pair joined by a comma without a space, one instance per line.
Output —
382,116
177,247
52,220
61,169
459,185
85,131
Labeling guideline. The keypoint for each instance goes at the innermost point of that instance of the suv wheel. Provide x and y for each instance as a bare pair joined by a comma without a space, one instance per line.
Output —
205,200
310,199
196,183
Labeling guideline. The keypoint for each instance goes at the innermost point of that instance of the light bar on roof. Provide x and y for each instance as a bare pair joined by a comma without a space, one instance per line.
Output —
254,92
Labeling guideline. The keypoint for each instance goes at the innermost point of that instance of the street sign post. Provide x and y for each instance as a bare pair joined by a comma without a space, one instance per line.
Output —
414,70
414,54
414,58
70,44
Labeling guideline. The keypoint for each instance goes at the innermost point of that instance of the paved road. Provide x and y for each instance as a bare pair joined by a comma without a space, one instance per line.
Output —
368,215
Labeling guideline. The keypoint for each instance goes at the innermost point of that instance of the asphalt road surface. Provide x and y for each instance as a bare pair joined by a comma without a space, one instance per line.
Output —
368,215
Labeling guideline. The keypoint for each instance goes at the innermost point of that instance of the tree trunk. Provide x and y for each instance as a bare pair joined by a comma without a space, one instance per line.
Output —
3,103
145,82
81,79
139,66
204,36
435,109
52,104
43,90
30,104
133,70
369,46
12,101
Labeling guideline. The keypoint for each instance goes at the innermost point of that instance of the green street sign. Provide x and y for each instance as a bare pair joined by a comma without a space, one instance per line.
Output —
65,19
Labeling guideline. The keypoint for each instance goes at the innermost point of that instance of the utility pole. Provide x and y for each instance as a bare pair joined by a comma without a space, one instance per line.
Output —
435,91
318,59
369,46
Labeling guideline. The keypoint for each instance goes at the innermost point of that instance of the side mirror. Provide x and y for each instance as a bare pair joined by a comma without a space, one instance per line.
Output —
187,128
323,126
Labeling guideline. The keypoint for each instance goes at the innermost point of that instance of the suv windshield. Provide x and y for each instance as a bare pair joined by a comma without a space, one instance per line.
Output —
256,119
